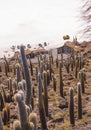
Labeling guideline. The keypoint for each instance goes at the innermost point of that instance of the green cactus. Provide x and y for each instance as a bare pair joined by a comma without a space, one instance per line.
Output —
41,104
79,100
71,107
27,77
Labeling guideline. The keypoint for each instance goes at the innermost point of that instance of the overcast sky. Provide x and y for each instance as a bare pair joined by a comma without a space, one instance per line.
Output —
36,21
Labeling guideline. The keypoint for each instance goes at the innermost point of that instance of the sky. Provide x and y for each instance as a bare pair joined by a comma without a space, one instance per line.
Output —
37,21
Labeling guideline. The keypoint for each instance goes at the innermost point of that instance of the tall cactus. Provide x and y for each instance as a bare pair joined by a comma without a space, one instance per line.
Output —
79,100
27,77
33,118
18,74
71,107
16,125
1,123
61,80
82,77
45,92
22,111
41,105
54,83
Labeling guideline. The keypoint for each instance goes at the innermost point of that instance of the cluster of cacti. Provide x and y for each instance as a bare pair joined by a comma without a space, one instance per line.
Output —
27,120
22,89
71,104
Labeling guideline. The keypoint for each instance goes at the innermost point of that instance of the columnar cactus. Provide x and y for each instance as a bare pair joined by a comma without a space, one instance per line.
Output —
48,77
61,80
17,125
23,115
45,92
27,77
71,107
18,74
1,123
31,66
10,87
54,83
33,118
1,102
79,101
82,80
56,63
41,104
5,116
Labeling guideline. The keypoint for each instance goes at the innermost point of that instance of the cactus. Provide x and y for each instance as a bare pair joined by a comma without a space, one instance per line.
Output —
14,83
18,74
10,87
67,66
30,126
1,123
33,118
24,84
22,111
61,80
41,105
71,107
5,116
8,112
27,77
79,100
56,63
20,86
82,80
76,69
48,77
7,64
54,83
1,102
45,92
31,66
17,125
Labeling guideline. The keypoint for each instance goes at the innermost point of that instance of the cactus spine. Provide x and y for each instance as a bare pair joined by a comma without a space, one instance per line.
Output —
79,101
71,107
